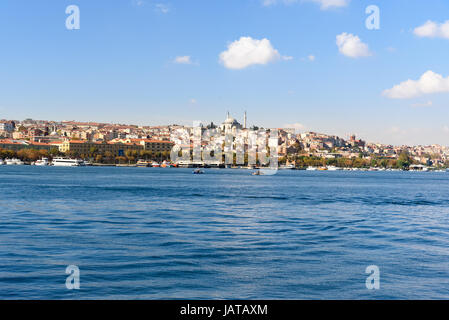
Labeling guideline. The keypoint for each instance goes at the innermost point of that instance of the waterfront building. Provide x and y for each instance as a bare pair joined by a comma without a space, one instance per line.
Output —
156,145
86,147
152,145
17,145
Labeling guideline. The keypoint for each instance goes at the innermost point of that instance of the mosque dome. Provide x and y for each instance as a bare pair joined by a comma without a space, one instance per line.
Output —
230,120
230,123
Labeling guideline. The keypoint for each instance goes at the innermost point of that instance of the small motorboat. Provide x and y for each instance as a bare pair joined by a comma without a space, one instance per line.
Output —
166,164
197,171
42,162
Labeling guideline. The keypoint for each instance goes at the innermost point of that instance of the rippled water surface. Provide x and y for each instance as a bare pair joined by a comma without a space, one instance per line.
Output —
153,233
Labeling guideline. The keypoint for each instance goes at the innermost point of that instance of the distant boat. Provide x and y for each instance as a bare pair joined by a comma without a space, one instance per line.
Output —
42,162
310,168
257,173
166,164
333,168
1,162
418,167
197,171
322,168
155,165
64,162
14,162
142,163
287,167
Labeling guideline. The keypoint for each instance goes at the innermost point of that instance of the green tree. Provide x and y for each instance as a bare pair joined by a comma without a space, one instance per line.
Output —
404,160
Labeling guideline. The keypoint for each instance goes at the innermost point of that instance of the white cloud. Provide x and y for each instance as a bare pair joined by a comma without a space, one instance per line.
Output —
162,8
422,104
430,82
432,29
297,126
268,3
351,46
310,58
138,3
247,51
183,60
324,4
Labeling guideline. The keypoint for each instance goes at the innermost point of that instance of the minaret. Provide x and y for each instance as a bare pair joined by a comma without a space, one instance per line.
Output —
244,121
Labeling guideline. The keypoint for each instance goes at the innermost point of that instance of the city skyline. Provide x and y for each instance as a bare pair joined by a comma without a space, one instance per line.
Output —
242,122
317,68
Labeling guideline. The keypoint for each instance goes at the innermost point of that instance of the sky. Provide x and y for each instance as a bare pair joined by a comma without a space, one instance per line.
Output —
309,64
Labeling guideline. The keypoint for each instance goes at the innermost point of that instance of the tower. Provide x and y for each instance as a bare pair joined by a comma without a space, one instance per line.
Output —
244,121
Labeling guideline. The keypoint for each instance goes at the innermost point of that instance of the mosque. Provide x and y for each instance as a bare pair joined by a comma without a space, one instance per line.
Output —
231,125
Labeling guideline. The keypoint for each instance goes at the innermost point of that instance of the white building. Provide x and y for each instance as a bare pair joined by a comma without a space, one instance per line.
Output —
6,126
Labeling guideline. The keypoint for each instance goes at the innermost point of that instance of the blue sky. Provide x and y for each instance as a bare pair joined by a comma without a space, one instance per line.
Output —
121,66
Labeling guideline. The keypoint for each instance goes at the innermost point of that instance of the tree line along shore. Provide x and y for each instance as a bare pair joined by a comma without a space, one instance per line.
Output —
403,162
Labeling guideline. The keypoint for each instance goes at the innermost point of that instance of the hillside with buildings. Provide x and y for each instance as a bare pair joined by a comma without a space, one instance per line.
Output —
105,142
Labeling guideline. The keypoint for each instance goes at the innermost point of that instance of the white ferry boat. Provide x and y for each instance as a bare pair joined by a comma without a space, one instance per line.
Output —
14,162
64,162
333,168
42,162
287,167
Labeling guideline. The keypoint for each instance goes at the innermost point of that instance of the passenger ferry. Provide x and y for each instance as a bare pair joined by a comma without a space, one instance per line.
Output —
42,162
63,162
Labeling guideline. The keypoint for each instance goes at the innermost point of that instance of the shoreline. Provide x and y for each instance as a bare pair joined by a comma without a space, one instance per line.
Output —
103,165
